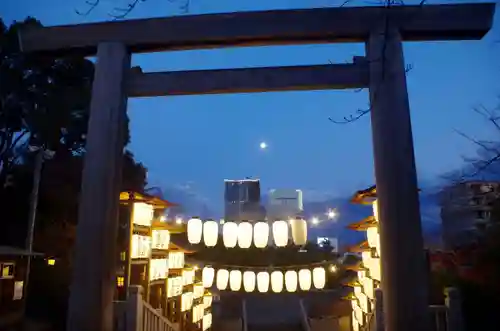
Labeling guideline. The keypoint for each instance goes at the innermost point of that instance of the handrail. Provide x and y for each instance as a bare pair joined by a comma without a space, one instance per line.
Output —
152,320
304,317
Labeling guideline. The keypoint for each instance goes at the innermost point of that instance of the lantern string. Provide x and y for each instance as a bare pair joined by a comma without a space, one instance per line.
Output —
269,267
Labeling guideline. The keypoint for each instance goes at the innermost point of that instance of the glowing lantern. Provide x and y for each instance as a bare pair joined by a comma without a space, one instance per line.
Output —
186,301
305,279
319,277
230,234
280,233
245,234
160,239
263,282
194,230
299,231
207,276
355,325
373,238
206,322
375,210
277,281
369,287
207,301
235,280
249,281
222,279
210,233
142,214
261,234
374,267
291,280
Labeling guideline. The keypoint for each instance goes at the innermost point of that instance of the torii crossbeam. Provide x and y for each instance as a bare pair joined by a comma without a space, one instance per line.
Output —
382,30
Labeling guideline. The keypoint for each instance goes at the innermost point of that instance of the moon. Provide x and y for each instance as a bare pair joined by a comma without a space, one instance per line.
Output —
263,145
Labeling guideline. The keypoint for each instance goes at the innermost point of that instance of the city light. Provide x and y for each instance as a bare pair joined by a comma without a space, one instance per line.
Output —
178,220
315,220
333,268
332,213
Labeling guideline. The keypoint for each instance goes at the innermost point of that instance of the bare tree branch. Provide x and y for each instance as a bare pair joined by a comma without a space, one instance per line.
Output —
91,6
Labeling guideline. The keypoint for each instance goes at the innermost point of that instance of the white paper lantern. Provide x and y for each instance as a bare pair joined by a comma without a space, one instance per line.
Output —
222,279
207,301
245,234
194,230
230,234
369,287
355,324
142,214
235,280
374,267
319,277
160,239
263,282
207,276
249,281
261,234
280,233
373,238
375,210
277,281
210,233
299,231
305,279
291,280
206,322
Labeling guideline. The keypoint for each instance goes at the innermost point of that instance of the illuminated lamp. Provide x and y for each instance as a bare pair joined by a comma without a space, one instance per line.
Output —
207,276
210,233
142,214
291,280
230,234
375,209
235,280
280,233
245,234
263,282
222,279
249,281
305,279
261,234
194,230
277,281
299,231
319,277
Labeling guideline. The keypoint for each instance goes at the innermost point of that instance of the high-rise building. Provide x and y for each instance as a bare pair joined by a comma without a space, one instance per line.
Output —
284,204
466,210
242,200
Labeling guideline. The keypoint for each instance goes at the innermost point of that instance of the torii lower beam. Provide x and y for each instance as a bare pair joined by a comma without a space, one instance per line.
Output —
249,80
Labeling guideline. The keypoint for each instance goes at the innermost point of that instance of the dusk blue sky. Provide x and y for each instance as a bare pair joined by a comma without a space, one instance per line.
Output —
196,142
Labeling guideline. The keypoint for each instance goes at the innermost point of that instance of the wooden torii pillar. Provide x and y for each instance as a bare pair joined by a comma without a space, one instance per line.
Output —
382,29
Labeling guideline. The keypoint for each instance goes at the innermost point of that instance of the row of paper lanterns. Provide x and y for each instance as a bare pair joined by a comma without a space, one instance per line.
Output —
243,233
365,294
277,281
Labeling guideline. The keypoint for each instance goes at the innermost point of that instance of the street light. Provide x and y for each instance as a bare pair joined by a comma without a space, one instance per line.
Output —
331,214
315,220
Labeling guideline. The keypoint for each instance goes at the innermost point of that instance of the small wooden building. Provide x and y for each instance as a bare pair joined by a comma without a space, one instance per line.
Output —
13,262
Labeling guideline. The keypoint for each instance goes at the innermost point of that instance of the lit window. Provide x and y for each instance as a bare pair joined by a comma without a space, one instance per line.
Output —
120,281
8,270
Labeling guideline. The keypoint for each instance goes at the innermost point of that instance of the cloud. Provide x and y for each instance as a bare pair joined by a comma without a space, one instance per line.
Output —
191,201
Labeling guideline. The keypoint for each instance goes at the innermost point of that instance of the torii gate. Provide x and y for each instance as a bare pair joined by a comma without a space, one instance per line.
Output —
383,72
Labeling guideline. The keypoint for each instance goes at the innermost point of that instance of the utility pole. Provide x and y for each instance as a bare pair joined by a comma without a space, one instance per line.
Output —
37,174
